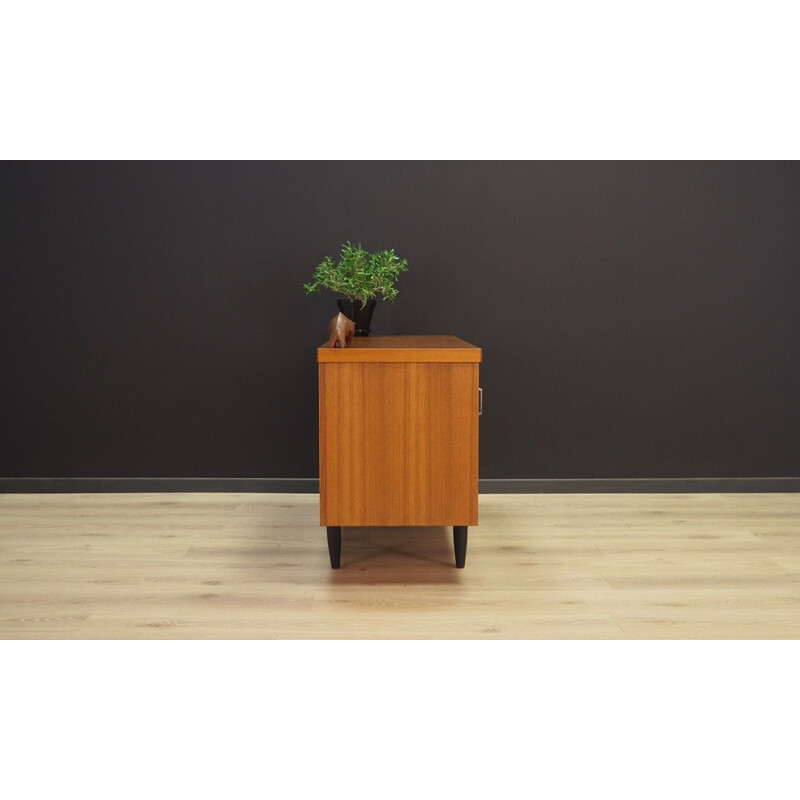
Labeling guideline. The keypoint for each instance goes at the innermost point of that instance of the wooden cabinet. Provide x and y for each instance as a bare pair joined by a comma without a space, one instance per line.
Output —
398,435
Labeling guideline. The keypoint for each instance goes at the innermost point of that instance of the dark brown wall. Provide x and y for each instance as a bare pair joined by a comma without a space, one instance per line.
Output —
637,319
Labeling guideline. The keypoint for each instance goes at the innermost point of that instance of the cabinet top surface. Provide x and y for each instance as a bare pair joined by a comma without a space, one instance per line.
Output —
402,348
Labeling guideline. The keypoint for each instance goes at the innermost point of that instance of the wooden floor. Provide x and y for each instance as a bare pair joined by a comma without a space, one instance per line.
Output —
232,566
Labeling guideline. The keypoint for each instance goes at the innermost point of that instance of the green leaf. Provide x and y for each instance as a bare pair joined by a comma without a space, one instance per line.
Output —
358,274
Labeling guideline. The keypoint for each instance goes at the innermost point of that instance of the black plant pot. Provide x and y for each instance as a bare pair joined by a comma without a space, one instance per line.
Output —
361,316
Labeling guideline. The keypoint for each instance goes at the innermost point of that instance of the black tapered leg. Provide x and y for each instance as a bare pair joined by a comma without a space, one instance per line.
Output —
335,545
460,544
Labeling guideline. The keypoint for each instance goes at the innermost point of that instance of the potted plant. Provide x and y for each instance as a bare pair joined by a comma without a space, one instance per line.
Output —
359,276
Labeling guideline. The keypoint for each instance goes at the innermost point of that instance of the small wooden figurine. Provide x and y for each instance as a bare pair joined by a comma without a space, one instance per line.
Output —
341,331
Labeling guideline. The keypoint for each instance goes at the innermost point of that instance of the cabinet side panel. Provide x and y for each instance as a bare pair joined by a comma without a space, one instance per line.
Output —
400,444
474,441
345,444
322,433
453,433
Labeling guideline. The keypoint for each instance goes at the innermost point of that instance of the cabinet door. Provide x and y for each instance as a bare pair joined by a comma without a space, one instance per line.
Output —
399,444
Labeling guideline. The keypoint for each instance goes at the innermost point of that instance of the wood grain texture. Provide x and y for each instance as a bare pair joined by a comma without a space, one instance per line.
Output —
248,566
399,444
402,349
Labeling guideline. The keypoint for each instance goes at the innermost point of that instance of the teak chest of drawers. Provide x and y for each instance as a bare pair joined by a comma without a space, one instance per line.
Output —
398,435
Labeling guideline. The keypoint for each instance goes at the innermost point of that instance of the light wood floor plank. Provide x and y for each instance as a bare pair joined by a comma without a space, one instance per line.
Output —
246,566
